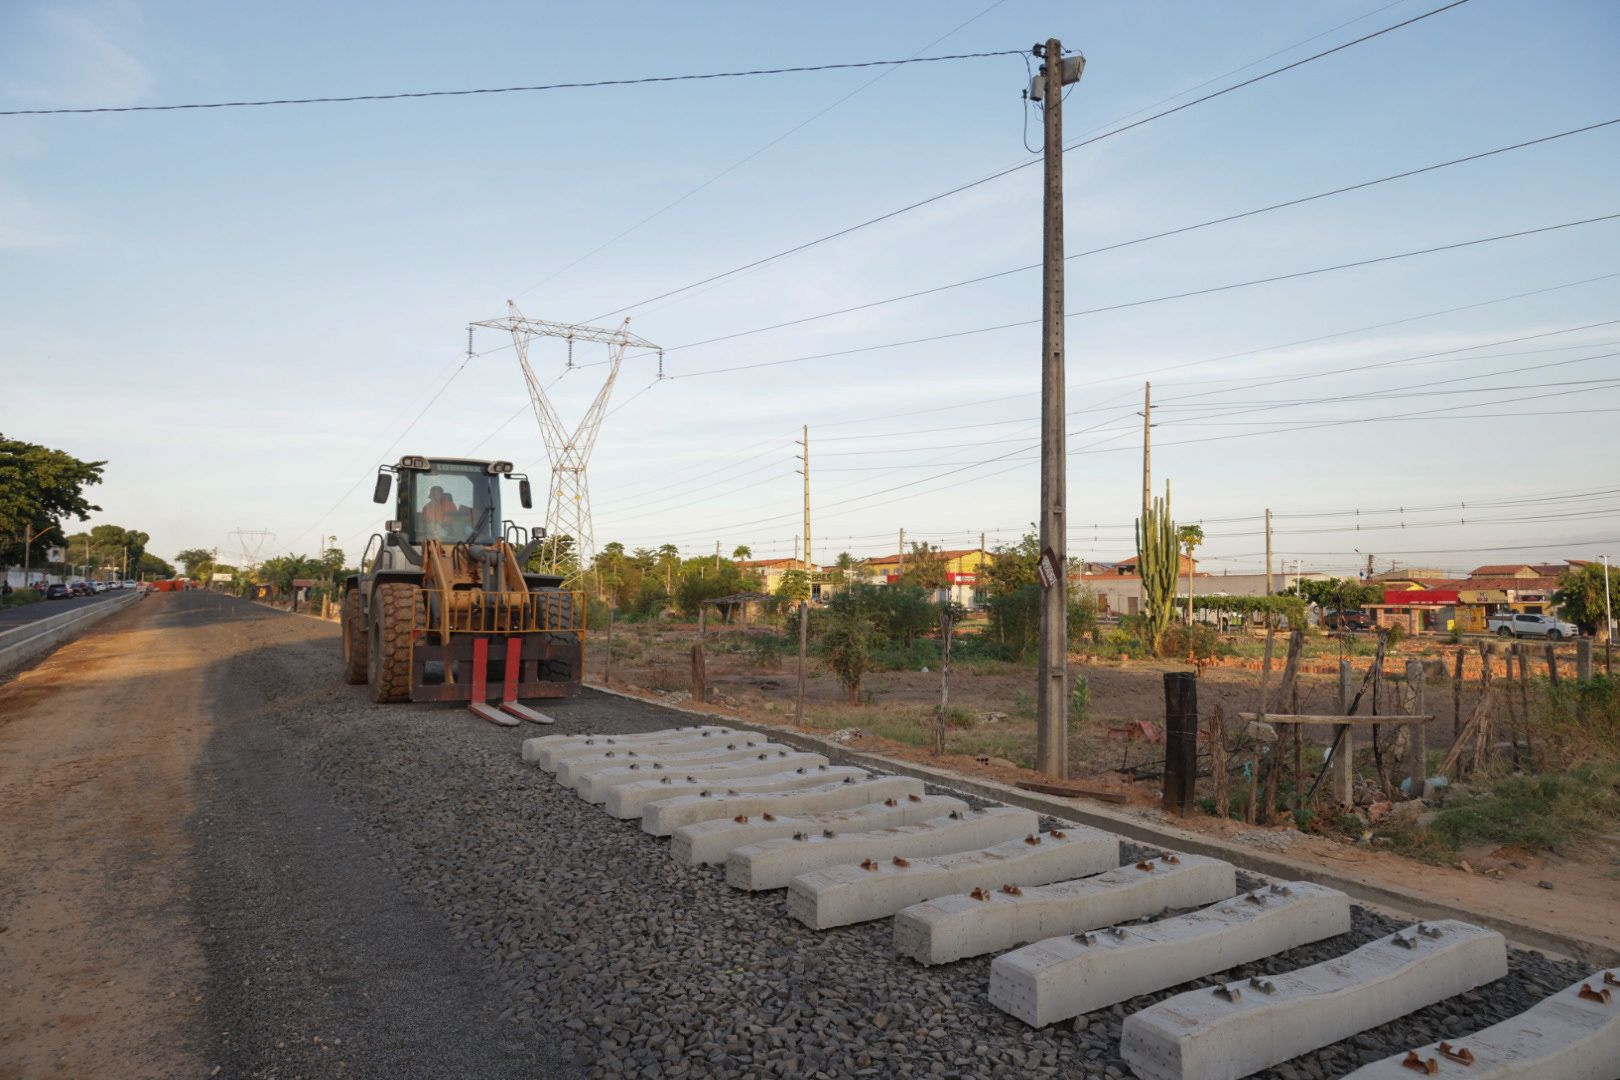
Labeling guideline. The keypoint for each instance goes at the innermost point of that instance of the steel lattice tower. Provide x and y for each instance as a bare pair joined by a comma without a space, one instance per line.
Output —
568,502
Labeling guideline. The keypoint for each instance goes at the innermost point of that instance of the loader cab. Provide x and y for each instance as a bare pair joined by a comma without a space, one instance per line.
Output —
449,499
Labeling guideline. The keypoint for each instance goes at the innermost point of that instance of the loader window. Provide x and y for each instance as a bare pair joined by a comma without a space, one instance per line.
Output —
449,500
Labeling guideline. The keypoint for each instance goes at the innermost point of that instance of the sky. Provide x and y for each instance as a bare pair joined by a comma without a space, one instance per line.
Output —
245,311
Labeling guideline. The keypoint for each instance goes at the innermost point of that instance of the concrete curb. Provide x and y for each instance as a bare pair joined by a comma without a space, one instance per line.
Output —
24,644
1269,864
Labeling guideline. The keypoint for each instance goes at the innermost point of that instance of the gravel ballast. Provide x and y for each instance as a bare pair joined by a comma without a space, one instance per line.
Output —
550,937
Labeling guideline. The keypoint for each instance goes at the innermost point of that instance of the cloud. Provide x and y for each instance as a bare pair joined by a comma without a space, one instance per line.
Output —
75,57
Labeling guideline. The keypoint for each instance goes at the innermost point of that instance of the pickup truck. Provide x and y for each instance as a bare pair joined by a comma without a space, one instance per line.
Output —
1512,624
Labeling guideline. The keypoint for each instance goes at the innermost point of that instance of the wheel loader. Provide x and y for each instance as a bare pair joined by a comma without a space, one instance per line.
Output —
443,608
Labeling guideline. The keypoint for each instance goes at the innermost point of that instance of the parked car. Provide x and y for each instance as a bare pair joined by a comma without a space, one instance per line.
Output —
1347,620
98,586
57,591
79,588
1518,624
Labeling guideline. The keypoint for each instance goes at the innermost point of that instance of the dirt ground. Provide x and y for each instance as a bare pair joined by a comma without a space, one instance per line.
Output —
96,752
997,743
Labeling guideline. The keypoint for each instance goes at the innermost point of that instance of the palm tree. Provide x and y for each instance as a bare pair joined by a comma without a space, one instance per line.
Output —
1190,536
741,552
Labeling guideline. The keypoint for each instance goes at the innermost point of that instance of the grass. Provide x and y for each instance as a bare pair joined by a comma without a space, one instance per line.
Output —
1539,813
913,725
20,597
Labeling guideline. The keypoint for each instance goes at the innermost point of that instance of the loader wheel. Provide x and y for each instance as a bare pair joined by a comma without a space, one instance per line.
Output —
354,640
394,610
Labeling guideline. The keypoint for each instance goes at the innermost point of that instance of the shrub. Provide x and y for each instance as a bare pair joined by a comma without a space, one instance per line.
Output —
846,645
1199,641
1080,700
1394,635
767,650
1535,812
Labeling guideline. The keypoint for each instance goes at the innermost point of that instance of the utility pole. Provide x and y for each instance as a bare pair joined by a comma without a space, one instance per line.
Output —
1608,622
902,572
805,471
717,556
1147,445
1268,551
1052,700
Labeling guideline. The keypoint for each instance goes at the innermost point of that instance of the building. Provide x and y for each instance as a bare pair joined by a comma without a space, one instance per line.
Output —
771,571
964,568
1442,604
1121,594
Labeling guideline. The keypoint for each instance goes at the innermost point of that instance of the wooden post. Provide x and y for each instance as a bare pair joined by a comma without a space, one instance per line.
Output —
1180,741
944,679
1417,734
607,654
1524,704
1285,694
1482,732
1513,714
703,619
1250,808
1583,658
1217,761
804,641
1343,763
700,691
1456,695
1552,664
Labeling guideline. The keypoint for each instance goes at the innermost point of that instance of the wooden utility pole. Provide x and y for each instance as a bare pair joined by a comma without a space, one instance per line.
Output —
805,470
717,556
1147,446
1268,551
902,571
1052,744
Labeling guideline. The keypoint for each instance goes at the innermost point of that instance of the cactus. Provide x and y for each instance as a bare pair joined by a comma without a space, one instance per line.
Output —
1157,548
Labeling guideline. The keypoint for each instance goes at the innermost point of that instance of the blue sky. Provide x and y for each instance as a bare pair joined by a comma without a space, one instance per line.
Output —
243,309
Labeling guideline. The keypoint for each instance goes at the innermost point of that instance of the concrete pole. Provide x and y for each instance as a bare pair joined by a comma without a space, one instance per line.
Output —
804,643
1268,551
1147,446
1052,744
808,562
1608,623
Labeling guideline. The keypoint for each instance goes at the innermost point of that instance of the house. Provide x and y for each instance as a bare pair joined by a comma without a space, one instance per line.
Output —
1121,594
963,569
1127,567
771,571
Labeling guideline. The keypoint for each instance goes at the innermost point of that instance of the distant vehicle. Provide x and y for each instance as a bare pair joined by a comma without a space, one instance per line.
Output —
1516,624
80,588
98,586
1347,620
128,584
57,591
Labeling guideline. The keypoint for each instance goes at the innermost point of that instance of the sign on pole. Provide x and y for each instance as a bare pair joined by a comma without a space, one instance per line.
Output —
1048,568
55,554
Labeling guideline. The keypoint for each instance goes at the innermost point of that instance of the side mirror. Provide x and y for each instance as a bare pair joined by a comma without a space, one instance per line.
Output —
524,494
380,493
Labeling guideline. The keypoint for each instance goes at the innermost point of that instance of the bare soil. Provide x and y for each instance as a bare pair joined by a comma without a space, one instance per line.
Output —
102,970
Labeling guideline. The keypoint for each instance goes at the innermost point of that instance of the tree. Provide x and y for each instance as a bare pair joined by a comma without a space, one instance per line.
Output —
39,487
925,567
741,552
152,568
1156,551
795,586
1012,568
846,645
1580,597
1190,536
1339,594
193,558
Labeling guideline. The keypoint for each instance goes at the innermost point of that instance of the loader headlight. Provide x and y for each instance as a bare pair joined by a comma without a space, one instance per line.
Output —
500,468
413,463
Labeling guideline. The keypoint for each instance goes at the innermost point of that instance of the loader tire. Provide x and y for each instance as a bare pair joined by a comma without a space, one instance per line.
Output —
354,640
394,612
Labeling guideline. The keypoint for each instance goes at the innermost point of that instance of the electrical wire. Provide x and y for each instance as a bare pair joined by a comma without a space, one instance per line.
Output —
1190,293
847,230
1179,231
591,85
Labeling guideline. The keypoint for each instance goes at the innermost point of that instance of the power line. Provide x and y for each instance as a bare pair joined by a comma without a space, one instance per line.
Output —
1145,239
594,84
1207,291
807,245
740,162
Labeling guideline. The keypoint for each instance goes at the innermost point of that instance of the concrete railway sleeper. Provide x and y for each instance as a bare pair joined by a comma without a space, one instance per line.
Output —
598,787
713,840
1238,1029
1573,1035
570,773
971,924
630,800
666,816
840,895
774,863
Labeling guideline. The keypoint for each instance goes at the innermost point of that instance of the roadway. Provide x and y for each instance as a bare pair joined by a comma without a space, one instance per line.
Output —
23,614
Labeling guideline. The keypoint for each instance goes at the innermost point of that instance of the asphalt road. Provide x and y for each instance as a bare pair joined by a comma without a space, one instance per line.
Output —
23,614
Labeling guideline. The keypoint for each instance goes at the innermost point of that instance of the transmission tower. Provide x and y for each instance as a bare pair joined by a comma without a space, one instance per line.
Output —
568,503
250,542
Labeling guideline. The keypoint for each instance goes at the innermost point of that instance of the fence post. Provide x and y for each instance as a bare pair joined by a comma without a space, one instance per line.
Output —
700,692
1180,741
1418,734
1342,769
804,642
944,679
1583,658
